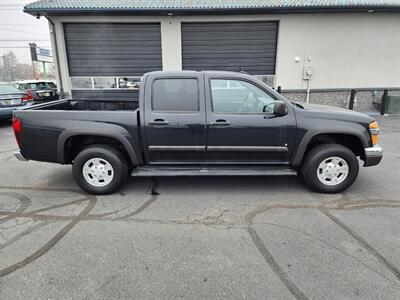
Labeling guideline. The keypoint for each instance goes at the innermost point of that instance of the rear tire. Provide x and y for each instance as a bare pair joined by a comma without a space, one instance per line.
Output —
329,168
100,169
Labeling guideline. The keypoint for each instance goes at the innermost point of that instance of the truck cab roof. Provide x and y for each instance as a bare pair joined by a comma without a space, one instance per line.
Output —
209,72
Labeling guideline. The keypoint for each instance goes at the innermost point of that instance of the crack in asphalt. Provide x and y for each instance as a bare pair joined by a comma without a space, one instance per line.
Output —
248,224
364,243
107,282
339,205
22,234
33,188
146,204
24,203
330,245
275,267
52,242
154,196
78,201
73,220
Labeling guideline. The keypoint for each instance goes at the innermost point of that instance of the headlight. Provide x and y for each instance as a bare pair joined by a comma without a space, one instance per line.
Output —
374,131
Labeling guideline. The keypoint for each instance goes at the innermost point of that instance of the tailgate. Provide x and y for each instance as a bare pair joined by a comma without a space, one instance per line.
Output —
41,126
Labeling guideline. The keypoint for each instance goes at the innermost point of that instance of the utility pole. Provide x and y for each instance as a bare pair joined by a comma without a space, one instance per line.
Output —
32,47
44,71
34,70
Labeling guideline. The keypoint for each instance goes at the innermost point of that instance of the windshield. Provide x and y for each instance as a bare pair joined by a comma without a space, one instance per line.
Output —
41,85
8,89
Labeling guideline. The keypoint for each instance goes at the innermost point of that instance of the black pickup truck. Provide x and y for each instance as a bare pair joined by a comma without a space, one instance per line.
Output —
198,123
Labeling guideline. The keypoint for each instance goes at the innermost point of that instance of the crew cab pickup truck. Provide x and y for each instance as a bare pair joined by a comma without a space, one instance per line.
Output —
190,123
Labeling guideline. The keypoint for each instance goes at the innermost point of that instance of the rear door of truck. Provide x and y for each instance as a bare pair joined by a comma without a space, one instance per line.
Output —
174,118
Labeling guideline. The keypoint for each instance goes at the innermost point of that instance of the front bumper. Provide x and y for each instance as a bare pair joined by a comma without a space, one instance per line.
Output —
373,156
19,156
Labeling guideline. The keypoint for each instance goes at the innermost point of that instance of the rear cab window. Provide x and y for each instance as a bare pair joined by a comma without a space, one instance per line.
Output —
175,95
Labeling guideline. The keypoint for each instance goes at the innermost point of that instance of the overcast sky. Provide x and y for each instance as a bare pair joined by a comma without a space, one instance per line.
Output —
17,29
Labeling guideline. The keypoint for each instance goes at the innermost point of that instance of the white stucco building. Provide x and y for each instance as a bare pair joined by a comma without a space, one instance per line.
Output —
327,47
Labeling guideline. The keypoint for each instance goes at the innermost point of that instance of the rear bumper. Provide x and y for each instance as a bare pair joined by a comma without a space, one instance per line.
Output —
373,156
7,112
19,156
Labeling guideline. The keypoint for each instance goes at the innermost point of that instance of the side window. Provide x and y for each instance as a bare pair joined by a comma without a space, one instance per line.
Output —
175,95
238,96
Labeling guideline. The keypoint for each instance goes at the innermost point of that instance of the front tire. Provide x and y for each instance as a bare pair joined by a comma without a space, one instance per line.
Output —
100,169
329,168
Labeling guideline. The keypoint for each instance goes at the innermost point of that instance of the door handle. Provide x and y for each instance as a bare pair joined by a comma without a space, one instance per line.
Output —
159,122
220,122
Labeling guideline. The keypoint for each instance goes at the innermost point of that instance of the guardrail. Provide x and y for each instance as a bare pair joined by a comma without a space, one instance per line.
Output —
384,105
389,102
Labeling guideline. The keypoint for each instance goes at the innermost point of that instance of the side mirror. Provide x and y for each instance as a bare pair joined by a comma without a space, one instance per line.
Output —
280,108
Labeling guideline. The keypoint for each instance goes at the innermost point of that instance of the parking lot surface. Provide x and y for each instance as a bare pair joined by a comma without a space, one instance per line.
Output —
199,238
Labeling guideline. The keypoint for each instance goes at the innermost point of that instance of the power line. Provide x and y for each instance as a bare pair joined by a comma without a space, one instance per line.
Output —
11,5
30,25
24,40
17,47
21,31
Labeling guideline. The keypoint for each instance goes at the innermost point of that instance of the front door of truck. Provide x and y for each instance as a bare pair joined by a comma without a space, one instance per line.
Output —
241,126
174,119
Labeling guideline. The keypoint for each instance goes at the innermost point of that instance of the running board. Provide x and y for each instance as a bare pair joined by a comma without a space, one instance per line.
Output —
211,171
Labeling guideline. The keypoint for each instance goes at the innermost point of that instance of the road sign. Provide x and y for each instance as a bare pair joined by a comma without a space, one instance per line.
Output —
41,54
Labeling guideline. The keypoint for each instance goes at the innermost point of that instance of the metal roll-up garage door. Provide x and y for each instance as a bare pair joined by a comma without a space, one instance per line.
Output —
231,46
111,50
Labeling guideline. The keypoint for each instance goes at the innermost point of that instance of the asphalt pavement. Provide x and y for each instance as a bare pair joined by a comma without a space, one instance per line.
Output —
199,238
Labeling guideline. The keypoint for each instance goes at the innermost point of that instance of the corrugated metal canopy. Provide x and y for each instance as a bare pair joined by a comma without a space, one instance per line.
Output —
193,6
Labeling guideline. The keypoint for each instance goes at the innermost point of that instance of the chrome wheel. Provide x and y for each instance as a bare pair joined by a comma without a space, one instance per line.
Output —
98,172
333,171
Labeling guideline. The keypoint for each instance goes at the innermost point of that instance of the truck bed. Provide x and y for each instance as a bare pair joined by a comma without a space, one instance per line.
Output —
87,105
47,126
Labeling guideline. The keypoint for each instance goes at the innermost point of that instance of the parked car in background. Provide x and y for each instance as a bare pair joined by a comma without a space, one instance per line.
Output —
11,99
40,90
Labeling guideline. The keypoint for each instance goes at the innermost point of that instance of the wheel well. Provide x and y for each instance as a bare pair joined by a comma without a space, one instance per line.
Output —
77,143
350,141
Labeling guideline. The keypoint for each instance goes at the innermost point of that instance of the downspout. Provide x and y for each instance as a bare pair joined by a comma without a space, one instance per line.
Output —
308,91
55,51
